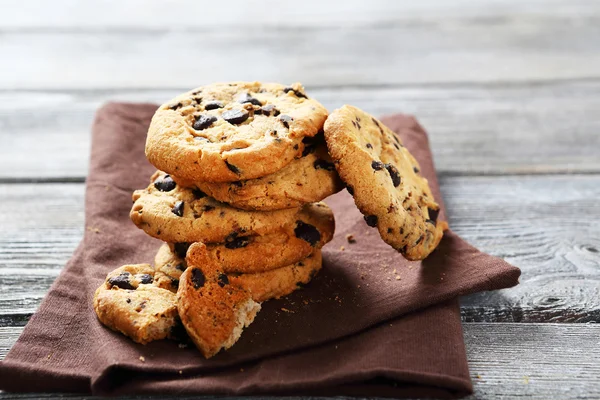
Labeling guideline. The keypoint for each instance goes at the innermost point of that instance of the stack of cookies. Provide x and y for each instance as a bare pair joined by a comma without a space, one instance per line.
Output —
242,169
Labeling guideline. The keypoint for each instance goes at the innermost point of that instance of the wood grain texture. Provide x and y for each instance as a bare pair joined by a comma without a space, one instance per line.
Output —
157,14
543,224
318,43
554,361
489,129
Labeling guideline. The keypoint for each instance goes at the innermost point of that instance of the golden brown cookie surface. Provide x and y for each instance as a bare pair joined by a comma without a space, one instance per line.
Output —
129,302
307,179
311,229
213,310
227,132
175,214
383,177
263,286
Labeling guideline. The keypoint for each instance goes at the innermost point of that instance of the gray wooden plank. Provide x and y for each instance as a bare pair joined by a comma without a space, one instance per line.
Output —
489,129
546,225
384,45
157,14
536,361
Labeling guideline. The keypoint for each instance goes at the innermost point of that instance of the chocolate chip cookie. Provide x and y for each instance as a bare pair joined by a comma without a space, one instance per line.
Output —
129,302
384,179
227,132
308,179
312,228
171,213
263,286
213,310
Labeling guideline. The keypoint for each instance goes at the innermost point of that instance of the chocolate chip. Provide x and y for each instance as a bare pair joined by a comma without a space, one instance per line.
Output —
394,174
237,183
322,164
175,282
198,278
121,281
232,167
198,194
208,208
296,92
378,126
222,280
390,230
433,215
128,301
416,170
419,240
350,189
234,241
146,279
266,110
181,249
296,147
213,105
175,106
377,165
396,146
203,121
369,146
178,209
371,220
180,266
285,120
235,116
165,184
246,98
307,232
309,146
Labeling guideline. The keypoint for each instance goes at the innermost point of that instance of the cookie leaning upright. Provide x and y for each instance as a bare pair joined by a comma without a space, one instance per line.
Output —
383,177
227,132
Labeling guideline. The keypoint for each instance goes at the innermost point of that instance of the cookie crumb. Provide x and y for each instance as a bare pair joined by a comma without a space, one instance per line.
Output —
182,345
398,278
286,310
241,369
350,238
92,229
142,359
180,372
478,376
342,248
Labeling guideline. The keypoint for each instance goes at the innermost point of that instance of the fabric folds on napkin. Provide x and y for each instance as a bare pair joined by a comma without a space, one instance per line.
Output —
370,324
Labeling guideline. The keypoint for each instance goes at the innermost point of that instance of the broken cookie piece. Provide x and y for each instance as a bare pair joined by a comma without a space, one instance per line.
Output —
130,303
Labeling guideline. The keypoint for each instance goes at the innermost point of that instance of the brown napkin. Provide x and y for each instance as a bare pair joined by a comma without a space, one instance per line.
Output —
352,331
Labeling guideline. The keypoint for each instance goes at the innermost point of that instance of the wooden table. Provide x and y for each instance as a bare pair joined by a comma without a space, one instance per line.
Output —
509,91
